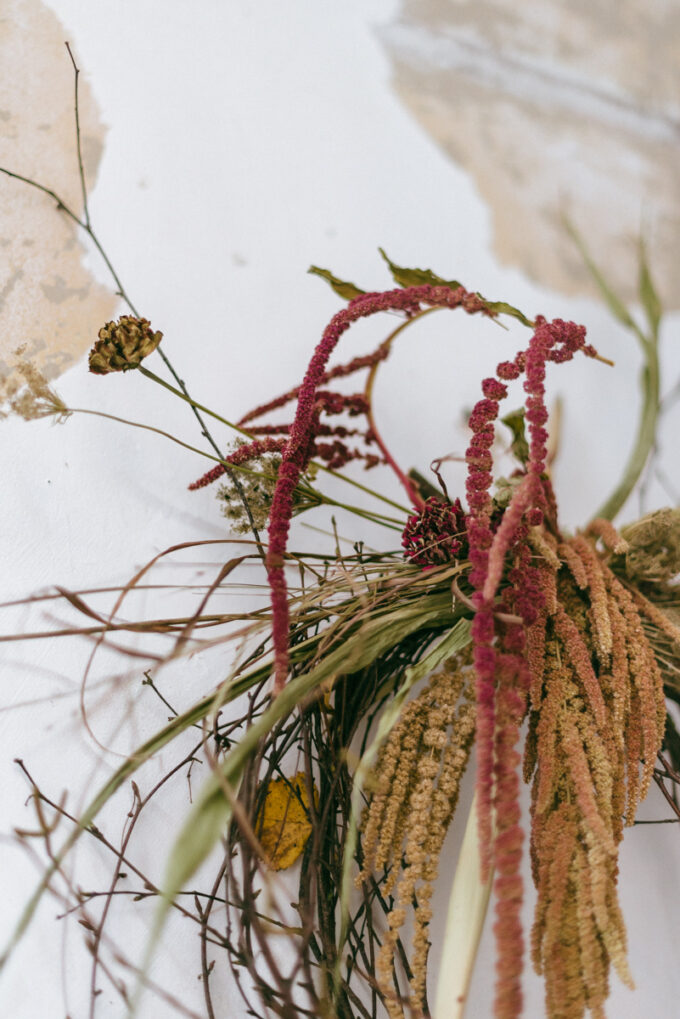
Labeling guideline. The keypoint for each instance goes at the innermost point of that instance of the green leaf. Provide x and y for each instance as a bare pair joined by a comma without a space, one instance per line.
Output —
416,277
519,446
348,291
503,308
649,297
422,277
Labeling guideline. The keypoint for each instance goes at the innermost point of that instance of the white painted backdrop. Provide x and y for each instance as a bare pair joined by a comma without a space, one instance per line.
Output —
245,142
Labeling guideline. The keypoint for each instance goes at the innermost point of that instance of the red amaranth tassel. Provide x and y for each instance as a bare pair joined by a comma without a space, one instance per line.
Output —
503,677
295,456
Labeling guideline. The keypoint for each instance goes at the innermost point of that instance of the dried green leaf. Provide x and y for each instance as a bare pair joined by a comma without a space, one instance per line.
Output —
503,308
421,277
348,291
416,277
425,487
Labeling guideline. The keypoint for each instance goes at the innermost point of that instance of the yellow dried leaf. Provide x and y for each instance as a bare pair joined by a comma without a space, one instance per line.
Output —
284,825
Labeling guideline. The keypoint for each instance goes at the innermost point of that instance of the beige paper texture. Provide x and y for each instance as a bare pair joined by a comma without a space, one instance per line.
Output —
48,299
554,108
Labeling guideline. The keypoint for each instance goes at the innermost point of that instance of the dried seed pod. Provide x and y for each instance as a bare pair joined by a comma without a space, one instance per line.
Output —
123,345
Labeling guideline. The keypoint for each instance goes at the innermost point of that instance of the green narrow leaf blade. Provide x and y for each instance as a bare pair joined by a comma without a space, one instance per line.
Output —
614,303
649,298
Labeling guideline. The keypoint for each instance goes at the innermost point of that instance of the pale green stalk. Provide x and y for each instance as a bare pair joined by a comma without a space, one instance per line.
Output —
650,380
147,428
468,904
454,642
646,435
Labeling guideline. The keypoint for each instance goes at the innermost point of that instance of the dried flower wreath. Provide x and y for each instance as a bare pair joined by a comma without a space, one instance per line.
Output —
379,673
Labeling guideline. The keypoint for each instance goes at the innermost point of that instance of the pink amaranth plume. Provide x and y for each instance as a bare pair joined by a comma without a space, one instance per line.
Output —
297,451
503,677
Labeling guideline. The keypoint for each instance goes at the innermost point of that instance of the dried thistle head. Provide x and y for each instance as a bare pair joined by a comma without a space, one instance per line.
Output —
123,345
27,393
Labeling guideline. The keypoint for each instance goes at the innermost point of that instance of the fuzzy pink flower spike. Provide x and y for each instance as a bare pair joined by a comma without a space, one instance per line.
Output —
503,676
296,454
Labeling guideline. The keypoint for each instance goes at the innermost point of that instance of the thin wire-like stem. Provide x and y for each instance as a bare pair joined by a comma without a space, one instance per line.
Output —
81,168
409,487
86,225
146,428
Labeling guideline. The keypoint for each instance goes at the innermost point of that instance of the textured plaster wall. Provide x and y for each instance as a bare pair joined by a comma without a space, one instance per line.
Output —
555,109
48,299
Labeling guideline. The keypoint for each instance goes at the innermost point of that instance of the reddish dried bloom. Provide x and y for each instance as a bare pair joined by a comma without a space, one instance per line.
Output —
508,370
611,538
534,517
556,341
599,604
577,652
483,412
505,536
207,479
574,564
509,838
436,534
